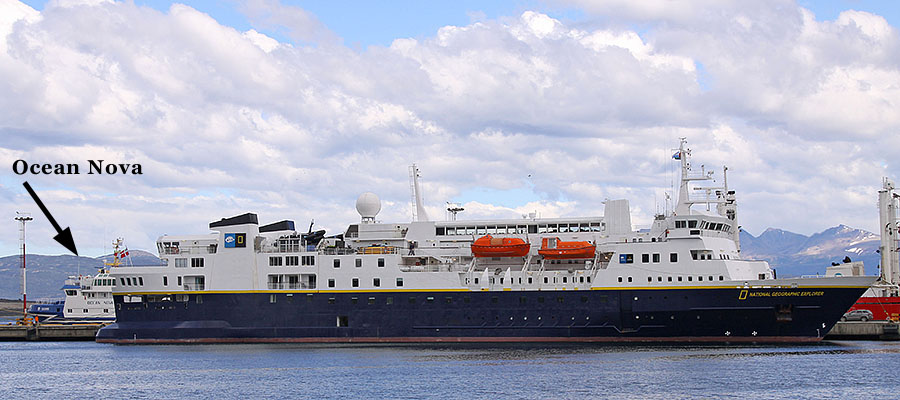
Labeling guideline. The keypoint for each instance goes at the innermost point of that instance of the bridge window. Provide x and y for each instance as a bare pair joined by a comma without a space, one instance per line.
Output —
196,262
673,257
645,258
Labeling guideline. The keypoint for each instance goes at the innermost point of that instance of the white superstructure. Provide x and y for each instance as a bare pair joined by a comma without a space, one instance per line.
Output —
694,246
89,297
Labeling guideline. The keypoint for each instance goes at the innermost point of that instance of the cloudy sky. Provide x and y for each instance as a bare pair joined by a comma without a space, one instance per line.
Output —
292,109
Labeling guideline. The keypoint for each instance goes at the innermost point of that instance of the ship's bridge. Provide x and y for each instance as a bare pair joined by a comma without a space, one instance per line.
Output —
696,225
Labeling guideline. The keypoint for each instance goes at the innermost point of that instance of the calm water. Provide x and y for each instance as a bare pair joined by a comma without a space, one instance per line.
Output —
91,370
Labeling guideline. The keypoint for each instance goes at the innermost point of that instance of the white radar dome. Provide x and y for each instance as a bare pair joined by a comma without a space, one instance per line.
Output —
368,205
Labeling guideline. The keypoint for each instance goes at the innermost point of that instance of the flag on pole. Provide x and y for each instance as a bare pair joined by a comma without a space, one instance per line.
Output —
677,155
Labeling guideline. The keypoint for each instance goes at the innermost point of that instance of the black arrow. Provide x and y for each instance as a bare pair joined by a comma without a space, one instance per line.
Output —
63,236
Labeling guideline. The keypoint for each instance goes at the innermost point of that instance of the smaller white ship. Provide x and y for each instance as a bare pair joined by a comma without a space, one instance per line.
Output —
88,298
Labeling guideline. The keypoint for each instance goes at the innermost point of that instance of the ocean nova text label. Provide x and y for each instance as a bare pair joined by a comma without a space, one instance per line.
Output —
94,167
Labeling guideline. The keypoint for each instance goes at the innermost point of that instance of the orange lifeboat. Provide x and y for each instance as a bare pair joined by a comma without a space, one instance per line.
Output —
488,246
554,248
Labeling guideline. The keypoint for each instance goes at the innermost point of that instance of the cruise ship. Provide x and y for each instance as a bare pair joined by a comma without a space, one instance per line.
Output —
88,298
586,279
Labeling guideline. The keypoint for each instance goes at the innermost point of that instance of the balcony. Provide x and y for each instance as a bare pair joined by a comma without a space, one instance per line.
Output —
290,285
194,286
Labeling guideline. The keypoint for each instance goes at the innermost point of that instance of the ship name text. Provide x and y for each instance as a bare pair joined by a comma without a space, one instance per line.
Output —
94,167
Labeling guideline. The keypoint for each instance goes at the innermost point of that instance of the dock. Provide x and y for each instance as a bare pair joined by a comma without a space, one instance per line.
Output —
49,332
869,330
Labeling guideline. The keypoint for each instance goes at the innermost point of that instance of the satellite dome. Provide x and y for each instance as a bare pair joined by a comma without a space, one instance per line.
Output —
368,205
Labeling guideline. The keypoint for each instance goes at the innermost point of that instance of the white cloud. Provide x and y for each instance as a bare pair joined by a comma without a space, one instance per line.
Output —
226,121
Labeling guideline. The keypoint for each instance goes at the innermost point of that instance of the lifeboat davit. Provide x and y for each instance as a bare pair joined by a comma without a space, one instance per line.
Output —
489,246
554,248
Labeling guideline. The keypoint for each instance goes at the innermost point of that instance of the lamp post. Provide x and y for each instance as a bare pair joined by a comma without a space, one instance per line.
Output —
23,218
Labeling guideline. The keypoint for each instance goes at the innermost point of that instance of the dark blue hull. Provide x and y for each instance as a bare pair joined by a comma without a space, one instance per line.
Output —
47,310
660,315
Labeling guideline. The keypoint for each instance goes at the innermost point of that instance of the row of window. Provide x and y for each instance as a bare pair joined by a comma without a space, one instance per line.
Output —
131,281
518,229
104,282
291,261
389,300
85,311
376,282
679,278
712,226
196,262
628,258
199,281
357,262
292,281
530,280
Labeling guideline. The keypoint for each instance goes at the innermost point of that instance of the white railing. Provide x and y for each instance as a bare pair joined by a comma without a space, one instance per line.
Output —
188,250
298,285
194,286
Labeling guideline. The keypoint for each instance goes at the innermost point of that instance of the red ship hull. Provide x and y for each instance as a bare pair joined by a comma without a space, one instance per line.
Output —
882,308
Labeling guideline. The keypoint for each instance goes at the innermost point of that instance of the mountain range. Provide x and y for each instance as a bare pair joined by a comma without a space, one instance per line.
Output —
46,274
791,254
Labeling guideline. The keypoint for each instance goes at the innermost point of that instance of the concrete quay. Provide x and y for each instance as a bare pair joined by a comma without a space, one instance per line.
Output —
49,332
869,330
